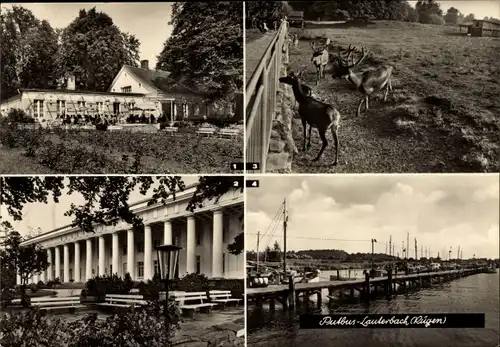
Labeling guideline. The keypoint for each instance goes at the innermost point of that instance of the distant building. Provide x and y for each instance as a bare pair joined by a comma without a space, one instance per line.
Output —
296,18
481,27
133,91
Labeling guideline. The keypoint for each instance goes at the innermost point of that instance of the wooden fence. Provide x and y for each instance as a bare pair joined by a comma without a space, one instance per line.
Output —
261,100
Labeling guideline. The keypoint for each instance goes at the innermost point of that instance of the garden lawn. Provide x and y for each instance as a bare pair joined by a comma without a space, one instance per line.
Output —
442,115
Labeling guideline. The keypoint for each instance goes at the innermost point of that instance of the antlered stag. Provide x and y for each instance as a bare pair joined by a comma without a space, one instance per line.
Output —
368,80
317,114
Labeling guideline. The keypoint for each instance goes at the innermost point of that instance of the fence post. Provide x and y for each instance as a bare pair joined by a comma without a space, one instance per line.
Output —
264,114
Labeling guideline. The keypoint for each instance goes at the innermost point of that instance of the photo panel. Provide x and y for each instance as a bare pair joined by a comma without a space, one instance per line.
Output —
92,259
366,87
122,88
378,260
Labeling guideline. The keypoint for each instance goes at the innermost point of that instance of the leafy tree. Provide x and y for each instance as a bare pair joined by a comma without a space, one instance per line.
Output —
94,49
452,16
106,197
426,8
469,18
270,10
28,50
205,51
28,260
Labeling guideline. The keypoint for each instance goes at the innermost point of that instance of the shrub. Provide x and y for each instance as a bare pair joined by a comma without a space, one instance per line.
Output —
436,19
33,287
17,115
192,282
40,285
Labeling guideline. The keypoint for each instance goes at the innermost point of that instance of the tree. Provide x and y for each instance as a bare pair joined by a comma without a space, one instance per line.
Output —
28,260
452,16
106,197
93,49
427,8
205,51
469,18
29,50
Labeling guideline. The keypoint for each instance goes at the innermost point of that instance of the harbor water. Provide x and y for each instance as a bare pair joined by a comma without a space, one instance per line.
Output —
474,294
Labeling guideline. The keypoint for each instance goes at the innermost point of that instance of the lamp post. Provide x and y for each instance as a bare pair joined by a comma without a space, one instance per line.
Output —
168,258
373,241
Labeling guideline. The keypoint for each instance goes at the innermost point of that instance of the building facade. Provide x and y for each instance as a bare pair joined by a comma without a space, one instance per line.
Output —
133,91
203,235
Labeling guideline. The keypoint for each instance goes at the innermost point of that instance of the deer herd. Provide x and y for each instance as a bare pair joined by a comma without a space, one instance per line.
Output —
368,79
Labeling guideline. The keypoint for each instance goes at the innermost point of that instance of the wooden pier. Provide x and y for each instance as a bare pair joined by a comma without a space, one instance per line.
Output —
289,295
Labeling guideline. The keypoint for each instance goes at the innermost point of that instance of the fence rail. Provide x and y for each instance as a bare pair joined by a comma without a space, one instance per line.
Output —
261,100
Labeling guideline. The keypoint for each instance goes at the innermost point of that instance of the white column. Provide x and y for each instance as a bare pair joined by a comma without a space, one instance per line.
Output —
51,263
76,272
167,232
101,255
148,244
88,258
130,253
115,251
191,246
217,244
66,263
58,263
18,279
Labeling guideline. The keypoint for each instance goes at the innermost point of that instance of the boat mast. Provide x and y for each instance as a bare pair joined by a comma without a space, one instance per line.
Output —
285,219
258,237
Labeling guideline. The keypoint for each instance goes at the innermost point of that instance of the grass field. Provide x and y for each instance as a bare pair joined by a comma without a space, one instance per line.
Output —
442,116
94,152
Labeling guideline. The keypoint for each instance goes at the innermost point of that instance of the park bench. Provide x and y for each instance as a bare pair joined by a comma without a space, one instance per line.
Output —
122,300
171,130
223,297
230,132
205,131
44,303
191,302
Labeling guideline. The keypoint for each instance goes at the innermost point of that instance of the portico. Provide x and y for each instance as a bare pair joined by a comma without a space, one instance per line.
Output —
203,234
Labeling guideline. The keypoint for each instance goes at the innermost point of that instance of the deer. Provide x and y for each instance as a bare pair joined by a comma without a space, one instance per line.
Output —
295,41
305,89
319,60
368,81
317,114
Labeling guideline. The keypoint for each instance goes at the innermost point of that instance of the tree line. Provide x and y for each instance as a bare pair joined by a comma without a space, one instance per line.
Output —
93,49
425,11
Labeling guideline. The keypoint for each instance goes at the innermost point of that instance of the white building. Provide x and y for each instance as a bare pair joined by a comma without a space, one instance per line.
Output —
203,234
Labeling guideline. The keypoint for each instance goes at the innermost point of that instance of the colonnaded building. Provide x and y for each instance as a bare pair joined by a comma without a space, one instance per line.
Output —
134,90
203,235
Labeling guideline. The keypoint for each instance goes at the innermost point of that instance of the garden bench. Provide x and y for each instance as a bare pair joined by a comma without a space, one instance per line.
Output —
229,132
71,302
190,302
122,300
205,131
223,297
171,130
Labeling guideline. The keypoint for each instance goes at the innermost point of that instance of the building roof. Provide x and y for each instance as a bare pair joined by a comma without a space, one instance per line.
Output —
297,14
159,80
70,91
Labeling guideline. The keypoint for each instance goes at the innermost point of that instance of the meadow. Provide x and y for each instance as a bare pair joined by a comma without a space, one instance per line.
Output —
442,115
92,152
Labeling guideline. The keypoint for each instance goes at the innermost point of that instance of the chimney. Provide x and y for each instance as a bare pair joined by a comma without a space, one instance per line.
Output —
145,64
71,82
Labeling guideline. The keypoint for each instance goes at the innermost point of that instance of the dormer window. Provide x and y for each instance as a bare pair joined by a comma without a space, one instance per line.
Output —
127,89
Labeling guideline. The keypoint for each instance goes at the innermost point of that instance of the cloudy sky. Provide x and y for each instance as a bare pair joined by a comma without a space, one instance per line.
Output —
480,8
51,215
146,20
345,212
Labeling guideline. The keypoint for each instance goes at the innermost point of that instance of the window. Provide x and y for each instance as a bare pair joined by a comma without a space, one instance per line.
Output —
223,263
177,240
198,238
130,105
111,269
61,106
197,110
156,265
225,228
127,89
124,249
140,269
100,106
81,106
198,264
156,243
185,110
140,247
38,108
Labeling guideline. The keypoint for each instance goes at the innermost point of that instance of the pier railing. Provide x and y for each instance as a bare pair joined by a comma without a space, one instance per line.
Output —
261,99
